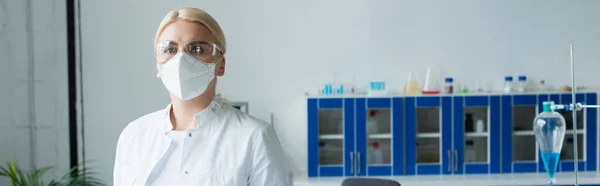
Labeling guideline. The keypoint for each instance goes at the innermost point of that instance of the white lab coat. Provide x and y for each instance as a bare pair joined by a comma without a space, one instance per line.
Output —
229,148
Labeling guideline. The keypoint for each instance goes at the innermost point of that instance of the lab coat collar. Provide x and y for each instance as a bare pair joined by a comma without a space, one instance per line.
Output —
205,116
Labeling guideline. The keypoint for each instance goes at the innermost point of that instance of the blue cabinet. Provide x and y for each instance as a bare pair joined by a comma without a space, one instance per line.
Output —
378,122
476,134
330,136
428,135
586,134
355,136
520,152
518,141
452,135
440,135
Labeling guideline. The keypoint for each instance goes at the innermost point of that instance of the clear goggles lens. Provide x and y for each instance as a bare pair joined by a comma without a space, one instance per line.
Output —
203,51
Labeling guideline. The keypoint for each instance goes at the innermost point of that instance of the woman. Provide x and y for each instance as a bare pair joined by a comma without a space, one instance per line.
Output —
198,139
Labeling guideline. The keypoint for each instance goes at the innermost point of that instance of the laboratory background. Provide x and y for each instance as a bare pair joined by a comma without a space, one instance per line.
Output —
423,92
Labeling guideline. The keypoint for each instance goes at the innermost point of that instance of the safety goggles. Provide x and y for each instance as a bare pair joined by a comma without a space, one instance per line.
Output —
203,51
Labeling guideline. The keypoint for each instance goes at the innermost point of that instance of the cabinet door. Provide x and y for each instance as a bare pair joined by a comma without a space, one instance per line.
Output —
567,155
519,148
374,136
428,135
330,136
477,134
591,130
586,132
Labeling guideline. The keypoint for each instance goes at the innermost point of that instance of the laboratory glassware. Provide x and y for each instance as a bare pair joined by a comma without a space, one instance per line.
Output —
431,84
549,128
411,87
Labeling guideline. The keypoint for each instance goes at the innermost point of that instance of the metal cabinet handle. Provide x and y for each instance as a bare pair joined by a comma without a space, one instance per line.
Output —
449,161
358,159
456,160
352,162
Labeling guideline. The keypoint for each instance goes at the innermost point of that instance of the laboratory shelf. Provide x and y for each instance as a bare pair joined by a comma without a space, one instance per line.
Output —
525,133
380,136
429,135
570,132
332,136
449,135
476,134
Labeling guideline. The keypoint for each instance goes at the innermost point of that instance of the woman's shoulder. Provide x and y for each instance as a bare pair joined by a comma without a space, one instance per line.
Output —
143,123
242,119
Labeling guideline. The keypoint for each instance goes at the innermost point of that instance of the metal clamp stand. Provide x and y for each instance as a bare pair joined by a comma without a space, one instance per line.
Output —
574,107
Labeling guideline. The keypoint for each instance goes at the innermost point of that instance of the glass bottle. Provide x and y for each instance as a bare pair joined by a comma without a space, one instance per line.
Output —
522,83
478,87
508,84
469,122
449,88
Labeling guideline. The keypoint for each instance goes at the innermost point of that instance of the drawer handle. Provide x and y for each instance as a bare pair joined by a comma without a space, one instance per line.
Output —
449,161
358,159
352,162
456,162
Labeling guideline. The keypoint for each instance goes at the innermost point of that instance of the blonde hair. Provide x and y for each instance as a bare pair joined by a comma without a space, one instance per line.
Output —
198,16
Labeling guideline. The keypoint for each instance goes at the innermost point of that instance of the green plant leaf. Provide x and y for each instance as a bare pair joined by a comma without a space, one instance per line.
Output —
14,176
79,176
4,172
38,174
76,176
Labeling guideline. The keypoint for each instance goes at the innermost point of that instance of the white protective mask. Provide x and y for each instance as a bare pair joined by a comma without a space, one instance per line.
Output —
186,77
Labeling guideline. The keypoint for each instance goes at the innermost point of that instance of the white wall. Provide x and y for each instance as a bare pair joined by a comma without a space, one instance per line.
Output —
280,49
50,99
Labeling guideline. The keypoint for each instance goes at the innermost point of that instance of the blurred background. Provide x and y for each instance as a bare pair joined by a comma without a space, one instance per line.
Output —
74,73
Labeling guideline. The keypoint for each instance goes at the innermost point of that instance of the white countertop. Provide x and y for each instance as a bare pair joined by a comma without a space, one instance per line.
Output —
467,180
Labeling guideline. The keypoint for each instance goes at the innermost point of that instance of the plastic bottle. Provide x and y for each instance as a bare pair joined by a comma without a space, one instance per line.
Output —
542,86
372,122
323,160
470,154
479,126
521,84
377,154
449,87
508,84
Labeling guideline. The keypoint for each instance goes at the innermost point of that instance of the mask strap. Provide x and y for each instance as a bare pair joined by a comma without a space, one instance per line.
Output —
216,63
219,60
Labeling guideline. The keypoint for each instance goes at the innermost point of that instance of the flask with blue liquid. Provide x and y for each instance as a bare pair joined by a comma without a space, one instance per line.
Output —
549,128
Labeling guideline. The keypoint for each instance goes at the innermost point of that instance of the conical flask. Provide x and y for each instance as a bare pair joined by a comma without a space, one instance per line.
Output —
411,87
431,84
549,128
